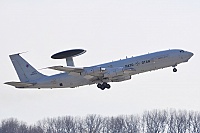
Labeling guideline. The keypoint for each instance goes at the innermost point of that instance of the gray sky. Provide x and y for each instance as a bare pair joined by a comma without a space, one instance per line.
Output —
108,30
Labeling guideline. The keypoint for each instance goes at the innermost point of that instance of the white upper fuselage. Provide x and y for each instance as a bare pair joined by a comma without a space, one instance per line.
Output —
138,64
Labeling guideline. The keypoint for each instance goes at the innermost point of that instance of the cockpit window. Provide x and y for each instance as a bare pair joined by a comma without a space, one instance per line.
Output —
181,51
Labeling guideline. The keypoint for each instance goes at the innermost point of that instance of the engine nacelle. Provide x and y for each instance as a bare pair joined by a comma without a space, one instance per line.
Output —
113,72
92,71
121,78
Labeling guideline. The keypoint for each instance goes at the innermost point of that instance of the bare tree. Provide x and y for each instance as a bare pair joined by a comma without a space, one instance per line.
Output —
117,124
69,124
128,124
154,121
9,126
132,124
171,122
80,125
106,125
93,123
47,125
150,122
177,122
193,122
35,129
23,128
13,126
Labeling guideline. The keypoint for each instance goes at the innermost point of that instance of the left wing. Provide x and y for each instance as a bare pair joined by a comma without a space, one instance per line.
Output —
67,69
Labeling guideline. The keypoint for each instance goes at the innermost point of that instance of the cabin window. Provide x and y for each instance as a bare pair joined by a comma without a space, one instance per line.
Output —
181,51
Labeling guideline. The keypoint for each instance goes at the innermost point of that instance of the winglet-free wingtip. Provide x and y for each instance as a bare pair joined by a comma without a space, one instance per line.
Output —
19,53
19,84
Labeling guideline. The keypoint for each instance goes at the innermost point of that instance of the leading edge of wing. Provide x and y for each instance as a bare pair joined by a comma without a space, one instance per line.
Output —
67,69
72,71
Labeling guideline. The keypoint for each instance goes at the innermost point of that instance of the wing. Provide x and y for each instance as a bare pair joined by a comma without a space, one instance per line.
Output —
19,84
97,73
67,69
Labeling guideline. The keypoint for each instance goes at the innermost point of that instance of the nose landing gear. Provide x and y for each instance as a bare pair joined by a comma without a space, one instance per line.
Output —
174,70
103,86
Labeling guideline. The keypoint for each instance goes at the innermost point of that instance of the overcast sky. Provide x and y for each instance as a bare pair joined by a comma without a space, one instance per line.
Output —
108,30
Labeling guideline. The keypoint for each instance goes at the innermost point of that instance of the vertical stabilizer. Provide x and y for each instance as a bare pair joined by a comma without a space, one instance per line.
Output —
25,71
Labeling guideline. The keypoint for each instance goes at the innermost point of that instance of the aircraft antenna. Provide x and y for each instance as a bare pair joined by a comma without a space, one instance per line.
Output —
68,55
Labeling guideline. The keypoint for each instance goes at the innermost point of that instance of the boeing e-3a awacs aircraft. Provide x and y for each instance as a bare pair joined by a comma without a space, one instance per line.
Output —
101,75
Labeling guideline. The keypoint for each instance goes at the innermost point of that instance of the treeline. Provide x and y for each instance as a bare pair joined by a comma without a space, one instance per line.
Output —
149,122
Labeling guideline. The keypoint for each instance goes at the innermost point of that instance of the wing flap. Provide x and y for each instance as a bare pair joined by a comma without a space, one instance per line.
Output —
19,84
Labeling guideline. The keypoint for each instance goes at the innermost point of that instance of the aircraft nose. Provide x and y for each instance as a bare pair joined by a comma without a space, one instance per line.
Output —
190,54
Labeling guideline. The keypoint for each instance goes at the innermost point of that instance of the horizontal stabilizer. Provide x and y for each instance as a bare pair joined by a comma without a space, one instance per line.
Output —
19,84
67,69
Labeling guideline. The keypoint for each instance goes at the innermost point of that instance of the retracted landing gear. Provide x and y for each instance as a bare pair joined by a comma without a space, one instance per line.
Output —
103,86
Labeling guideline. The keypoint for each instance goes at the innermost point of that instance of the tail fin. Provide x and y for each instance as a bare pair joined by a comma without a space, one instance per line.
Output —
25,71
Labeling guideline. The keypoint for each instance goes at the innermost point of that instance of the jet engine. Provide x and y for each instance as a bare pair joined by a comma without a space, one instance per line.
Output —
113,72
121,78
92,71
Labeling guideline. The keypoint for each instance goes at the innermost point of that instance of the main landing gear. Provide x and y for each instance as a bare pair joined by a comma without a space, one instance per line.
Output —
103,86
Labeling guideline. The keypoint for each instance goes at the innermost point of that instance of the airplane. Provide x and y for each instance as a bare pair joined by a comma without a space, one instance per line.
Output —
102,74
